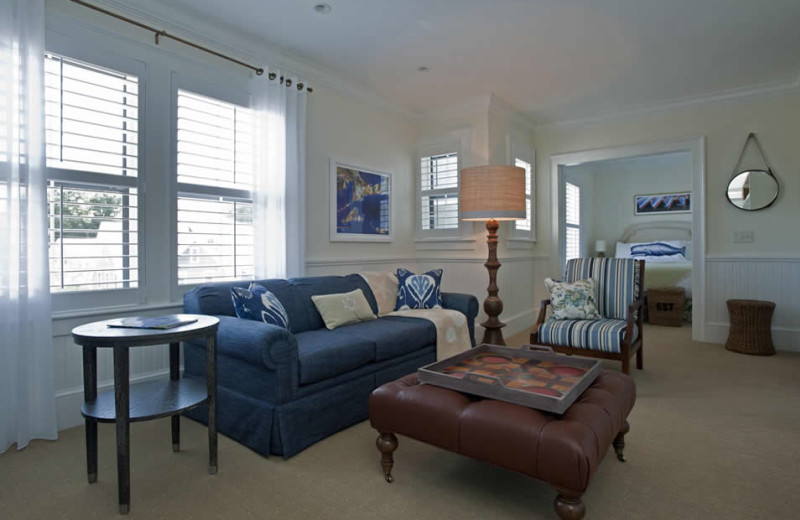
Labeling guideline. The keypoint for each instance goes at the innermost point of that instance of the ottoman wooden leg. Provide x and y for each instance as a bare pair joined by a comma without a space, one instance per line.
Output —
619,441
569,506
387,443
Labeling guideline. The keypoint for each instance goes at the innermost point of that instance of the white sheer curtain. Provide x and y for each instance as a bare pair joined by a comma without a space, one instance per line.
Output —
280,178
27,402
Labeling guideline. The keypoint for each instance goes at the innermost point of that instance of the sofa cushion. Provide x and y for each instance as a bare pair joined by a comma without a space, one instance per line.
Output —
327,353
395,336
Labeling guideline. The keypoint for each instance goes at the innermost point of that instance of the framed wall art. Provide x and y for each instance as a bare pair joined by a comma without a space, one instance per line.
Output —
660,203
361,204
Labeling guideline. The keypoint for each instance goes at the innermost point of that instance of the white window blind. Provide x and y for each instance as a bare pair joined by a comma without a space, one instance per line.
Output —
215,174
439,192
572,212
525,224
91,121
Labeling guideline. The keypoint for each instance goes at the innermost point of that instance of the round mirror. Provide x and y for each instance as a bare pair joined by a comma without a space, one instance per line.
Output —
752,190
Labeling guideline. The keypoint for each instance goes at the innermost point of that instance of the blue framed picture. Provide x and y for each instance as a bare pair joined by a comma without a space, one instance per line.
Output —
661,203
361,204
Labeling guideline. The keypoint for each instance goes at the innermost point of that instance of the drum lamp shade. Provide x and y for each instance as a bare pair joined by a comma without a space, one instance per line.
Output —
492,192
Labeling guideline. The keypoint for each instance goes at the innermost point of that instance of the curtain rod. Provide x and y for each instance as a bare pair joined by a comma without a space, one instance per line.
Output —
160,33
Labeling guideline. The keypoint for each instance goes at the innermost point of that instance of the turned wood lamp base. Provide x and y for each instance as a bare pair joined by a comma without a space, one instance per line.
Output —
492,305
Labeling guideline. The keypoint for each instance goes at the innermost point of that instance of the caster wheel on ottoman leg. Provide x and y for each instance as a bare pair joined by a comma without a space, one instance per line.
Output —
619,441
569,506
387,443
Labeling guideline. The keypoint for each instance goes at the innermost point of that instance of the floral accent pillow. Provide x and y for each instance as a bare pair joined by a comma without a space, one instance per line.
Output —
419,291
573,301
259,304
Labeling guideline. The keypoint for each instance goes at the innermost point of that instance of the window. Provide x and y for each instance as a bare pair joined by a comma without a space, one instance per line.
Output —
439,192
525,225
572,221
215,162
91,121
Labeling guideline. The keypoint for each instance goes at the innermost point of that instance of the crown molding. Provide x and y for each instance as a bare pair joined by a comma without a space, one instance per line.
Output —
730,95
226,39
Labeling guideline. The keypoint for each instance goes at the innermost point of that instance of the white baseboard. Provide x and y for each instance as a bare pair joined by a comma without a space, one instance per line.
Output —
784,338
514,324
69,402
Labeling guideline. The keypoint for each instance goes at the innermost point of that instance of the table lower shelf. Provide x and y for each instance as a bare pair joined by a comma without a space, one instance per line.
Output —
150,400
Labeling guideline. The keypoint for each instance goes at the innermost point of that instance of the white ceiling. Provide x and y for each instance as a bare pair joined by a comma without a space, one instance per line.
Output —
551,59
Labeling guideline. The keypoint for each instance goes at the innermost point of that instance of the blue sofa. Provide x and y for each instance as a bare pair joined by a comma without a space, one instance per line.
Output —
280,391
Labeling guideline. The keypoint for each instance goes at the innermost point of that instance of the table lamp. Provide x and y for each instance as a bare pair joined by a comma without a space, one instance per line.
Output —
492,193
600,248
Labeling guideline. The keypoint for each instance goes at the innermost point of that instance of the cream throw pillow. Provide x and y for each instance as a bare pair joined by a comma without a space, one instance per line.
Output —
343,308
384,288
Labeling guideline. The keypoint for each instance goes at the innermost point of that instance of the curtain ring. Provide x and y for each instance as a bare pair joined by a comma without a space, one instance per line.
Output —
281,80
288,83
300,86
272,76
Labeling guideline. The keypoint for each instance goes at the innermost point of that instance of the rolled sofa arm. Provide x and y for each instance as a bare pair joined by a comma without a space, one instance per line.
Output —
256,342
467,304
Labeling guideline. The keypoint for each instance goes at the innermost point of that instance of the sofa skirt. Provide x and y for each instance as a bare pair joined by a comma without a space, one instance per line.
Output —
289,428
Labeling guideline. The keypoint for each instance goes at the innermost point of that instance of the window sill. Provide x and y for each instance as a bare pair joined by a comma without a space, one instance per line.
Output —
444,244
116,309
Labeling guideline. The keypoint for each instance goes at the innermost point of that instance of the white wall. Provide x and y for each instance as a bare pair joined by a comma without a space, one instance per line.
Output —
725,124
341,127
609,186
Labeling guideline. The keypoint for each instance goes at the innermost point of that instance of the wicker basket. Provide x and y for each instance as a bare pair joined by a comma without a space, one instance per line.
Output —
751,327
665,306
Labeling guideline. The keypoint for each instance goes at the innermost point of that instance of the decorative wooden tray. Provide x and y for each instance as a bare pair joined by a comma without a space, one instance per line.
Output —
532,376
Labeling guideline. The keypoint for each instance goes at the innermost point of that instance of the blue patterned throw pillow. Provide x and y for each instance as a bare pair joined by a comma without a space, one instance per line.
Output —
257,303
419,291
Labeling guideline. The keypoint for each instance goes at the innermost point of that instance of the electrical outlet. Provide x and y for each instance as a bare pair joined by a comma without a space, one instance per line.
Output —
742,237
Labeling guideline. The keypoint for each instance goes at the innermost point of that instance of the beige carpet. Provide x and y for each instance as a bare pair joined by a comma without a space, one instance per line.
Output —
713,435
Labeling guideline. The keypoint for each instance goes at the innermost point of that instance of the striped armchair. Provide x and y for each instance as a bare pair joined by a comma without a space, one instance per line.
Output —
618,335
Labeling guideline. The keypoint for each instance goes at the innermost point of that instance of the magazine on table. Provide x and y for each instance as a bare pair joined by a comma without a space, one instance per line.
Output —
158,323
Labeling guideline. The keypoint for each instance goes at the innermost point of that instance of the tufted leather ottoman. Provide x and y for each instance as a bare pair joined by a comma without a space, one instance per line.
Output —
563,451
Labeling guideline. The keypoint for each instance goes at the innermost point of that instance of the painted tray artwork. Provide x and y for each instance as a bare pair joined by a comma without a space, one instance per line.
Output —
532,376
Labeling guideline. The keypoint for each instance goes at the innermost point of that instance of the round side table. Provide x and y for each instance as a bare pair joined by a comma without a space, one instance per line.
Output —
143,401
750,331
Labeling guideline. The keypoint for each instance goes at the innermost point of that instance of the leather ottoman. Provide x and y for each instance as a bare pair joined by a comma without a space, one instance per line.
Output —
563,451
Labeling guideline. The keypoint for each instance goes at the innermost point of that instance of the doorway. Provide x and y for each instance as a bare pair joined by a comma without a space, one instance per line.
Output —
591,215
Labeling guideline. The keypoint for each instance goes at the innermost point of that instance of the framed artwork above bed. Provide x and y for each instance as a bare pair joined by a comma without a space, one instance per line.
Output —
662,203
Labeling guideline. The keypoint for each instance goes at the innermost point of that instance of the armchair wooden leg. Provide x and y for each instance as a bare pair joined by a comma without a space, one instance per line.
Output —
640,358
626,364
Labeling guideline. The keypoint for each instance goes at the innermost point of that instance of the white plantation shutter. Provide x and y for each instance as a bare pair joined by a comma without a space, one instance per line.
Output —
215,177
92,126
572,211
525,224
439,192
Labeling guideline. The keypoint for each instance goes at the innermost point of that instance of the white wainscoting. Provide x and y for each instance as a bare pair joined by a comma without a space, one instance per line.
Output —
772,279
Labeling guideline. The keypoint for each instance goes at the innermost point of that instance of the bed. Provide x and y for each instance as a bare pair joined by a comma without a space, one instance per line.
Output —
666,248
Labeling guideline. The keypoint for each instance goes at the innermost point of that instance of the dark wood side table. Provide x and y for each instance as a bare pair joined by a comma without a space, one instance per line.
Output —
143,401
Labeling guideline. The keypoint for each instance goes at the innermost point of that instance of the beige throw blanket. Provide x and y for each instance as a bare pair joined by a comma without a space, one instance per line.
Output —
452,332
